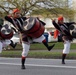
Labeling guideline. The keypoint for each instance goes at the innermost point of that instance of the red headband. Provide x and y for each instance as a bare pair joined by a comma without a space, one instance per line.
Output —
60,18
15,10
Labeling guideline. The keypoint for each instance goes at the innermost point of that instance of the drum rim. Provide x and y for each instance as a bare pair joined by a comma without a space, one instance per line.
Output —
32,26
7,36
41,34
36,30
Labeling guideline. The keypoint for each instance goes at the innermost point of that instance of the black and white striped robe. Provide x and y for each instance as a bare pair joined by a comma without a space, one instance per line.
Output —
17,23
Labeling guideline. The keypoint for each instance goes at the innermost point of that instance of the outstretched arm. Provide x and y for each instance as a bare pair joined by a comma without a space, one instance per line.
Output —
56,25
70,23
8,18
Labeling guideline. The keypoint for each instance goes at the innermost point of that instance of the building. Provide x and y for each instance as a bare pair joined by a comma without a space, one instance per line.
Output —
49,26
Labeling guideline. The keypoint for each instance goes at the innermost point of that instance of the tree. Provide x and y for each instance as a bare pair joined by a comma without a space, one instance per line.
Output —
41,7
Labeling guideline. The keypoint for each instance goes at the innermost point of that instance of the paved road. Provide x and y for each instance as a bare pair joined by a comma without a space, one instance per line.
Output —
11,66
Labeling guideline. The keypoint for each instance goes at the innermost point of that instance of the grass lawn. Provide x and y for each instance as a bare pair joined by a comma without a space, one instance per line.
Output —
39,51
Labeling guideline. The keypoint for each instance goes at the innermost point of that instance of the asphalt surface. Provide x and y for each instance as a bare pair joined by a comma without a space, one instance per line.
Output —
12,66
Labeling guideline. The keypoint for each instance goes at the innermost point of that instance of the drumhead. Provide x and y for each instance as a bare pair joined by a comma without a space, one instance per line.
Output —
6,32
28,24
71,27
72,30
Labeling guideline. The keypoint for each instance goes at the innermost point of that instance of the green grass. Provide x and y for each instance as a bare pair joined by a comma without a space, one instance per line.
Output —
44,54
10,54
38,54
39,51
58,45
40,46
31,54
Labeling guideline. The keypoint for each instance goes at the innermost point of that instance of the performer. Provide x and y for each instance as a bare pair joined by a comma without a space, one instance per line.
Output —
63,28
4,42
18,21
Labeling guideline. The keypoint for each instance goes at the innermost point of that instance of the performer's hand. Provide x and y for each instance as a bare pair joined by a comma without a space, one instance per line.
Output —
20,36
53,20
10,15
20,42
